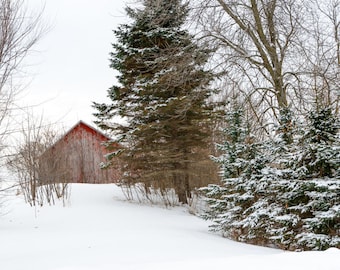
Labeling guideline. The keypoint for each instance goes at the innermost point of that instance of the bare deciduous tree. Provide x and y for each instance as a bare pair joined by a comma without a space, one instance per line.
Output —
38,183
20,30
276,54
319,77
255,38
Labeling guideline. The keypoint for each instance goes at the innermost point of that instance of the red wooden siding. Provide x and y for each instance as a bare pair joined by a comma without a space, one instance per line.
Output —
76,158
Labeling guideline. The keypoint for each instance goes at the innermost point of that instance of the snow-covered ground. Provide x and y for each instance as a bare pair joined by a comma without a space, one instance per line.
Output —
99,230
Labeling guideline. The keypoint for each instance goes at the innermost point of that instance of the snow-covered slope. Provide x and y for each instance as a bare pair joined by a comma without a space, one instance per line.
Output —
98,230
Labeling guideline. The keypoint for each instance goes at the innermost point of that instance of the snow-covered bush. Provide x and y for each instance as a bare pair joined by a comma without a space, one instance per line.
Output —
284,194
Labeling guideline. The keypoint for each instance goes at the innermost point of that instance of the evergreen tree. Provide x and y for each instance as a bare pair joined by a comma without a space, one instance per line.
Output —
320,146
239,149
161,96
285,130
241,163
290,199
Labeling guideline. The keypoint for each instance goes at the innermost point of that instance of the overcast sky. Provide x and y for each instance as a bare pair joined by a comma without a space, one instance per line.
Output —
71,67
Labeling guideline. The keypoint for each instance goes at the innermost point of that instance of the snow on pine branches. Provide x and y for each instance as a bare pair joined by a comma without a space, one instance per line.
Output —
280,193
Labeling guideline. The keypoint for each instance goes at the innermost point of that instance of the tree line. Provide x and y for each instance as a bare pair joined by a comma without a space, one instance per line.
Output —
260,79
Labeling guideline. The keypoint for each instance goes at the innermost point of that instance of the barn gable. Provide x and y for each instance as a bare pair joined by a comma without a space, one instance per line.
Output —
76,158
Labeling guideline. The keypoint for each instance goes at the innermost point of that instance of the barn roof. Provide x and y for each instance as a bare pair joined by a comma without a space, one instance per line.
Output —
85,126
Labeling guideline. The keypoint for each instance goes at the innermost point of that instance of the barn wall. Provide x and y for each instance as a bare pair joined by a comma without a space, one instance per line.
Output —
78,155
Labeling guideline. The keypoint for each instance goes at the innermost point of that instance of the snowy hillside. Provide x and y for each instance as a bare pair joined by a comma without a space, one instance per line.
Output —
98,230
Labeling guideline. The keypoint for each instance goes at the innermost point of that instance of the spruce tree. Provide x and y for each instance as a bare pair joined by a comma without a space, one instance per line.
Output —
241,163
161,96
282,192
320,144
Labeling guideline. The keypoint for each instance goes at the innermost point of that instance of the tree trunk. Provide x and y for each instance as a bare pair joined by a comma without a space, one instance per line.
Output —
181,186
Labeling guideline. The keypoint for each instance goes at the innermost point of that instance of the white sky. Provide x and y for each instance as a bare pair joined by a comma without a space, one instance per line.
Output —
71,66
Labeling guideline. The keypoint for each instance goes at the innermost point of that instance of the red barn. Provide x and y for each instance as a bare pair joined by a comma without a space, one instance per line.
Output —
77,158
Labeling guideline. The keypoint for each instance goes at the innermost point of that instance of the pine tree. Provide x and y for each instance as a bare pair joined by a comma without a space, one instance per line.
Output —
285,129
161,96
290,199
241,163
320,144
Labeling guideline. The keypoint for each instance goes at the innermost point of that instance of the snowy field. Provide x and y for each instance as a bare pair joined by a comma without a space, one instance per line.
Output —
99,230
